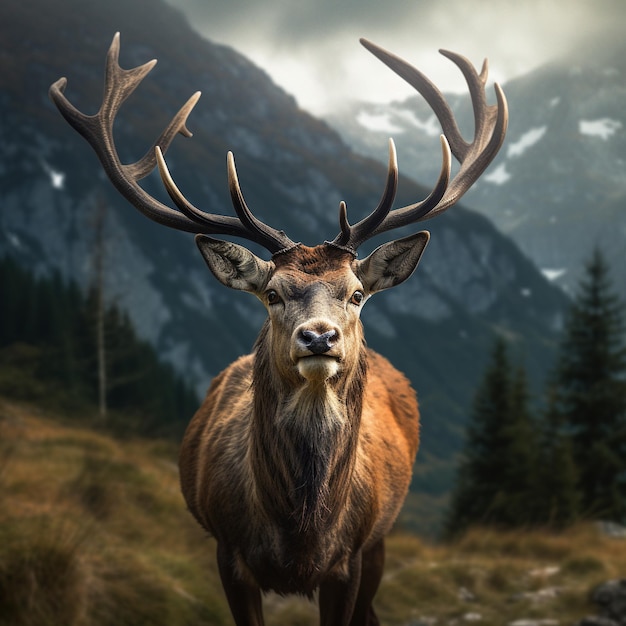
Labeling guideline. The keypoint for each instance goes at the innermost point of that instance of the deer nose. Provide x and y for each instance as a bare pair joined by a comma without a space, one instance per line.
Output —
318,343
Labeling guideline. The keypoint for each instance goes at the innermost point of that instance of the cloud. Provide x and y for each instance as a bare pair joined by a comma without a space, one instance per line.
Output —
311,47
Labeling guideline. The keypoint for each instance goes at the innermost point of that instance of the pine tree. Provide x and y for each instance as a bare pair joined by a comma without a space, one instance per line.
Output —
48,348
495,476
514,507
592,392
556,498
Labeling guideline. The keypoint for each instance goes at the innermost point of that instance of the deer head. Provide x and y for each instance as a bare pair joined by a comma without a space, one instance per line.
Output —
314,296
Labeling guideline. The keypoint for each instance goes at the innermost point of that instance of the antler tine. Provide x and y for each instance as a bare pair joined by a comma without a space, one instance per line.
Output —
221,224
490,122
353,236
147,163
416,212
253,224
271,239
98,131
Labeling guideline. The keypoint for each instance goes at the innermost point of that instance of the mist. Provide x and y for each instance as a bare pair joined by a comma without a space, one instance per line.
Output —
312,49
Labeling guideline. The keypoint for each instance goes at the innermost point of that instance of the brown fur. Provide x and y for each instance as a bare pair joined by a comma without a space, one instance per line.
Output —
297,479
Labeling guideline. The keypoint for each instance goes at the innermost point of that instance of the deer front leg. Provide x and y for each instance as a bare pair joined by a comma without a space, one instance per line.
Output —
244,599
371,574
338,596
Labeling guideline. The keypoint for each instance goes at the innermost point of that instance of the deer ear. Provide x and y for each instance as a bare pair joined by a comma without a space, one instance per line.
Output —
391,263
233,265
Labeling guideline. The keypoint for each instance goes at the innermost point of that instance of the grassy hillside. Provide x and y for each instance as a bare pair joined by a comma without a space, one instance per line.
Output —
94,531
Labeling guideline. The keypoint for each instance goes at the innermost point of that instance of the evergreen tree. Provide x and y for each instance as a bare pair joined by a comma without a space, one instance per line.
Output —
557,500
591,382
11,296
495,476
48,348
154,399
513,507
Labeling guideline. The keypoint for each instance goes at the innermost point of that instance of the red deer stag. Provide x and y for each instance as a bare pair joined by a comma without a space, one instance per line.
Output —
300,457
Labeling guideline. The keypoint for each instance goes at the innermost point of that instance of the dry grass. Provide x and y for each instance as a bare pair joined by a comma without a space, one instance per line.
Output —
495,578
94,532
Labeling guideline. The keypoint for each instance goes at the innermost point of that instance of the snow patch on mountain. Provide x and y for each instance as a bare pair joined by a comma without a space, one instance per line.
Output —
553,274
498,176
14,240
430,127
528,139
603,128
57,179
377,122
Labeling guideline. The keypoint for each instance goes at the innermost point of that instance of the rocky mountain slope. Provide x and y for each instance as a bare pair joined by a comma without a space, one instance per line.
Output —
558,186
294,170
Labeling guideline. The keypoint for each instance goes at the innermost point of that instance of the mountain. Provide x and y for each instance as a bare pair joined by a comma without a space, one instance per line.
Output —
558,186
294,169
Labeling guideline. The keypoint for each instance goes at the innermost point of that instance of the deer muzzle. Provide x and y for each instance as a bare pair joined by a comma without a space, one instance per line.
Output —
317,349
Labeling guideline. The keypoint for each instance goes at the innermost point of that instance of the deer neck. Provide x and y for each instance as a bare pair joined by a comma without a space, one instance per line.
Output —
303,441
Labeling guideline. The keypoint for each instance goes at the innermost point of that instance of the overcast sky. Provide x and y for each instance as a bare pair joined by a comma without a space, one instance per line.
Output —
311,49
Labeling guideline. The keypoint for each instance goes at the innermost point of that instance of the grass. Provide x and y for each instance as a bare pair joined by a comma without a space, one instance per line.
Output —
94,532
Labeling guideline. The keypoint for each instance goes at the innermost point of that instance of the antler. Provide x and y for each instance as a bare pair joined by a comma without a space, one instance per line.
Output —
98,131
490,124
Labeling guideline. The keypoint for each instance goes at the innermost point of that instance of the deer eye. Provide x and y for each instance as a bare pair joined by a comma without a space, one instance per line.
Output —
272,297
357,298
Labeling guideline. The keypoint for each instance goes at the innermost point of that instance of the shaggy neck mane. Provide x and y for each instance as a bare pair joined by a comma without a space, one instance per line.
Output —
304,442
